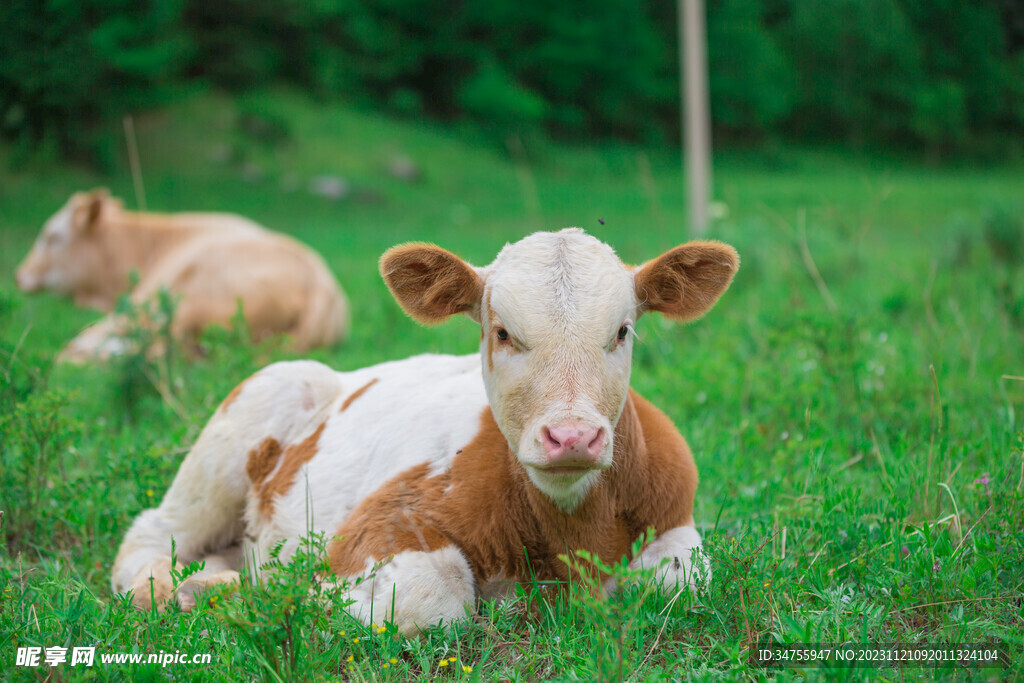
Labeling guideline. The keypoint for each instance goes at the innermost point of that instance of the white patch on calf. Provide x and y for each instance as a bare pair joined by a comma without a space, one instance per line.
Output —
41,268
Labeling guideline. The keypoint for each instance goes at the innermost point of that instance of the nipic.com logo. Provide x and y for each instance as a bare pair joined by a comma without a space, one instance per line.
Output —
86,656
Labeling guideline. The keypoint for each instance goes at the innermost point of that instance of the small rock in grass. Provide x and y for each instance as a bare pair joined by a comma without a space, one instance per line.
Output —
405,168
331,187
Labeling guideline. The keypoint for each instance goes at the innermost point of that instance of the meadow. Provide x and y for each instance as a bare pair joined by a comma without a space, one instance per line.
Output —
855,402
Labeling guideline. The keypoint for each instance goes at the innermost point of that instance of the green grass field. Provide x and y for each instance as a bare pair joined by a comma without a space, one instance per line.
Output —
854,403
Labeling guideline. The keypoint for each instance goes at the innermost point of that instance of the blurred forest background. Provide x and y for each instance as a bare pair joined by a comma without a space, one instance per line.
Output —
941,77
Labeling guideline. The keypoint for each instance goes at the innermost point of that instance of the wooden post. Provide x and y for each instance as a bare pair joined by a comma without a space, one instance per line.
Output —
133,162
696,123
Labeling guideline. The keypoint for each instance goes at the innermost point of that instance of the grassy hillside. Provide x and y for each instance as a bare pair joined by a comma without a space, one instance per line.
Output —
854,401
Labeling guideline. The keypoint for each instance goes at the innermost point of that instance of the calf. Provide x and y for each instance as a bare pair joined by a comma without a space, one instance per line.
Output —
464,474
210,262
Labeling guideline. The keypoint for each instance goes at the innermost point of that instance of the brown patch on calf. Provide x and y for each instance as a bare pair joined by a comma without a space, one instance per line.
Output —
295,456
230,398
387,522
659,486
262,460
356,394
685,282
486,505
431,283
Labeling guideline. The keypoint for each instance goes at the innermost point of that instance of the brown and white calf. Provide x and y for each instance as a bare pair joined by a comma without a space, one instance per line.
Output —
468,472
209,261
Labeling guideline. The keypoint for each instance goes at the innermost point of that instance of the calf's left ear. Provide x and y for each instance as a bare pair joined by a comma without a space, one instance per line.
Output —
430,283
685,282
89,208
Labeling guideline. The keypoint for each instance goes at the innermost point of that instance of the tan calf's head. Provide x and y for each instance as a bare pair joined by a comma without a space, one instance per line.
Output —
557,312
67,256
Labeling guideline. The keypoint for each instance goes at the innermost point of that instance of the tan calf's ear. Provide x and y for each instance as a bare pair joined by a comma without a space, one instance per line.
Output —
430,283
97,199
685,282
90,208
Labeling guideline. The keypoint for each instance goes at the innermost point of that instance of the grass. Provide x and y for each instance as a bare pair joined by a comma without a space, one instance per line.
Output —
854,403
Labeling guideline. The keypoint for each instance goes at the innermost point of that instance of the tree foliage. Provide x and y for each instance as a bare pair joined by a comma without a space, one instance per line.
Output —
943,75
68,64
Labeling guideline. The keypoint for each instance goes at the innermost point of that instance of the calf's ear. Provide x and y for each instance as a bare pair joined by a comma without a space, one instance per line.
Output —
88,211
685,282
430,283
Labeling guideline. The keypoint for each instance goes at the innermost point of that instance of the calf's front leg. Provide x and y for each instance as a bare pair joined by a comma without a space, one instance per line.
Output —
414,589
99,341
677,558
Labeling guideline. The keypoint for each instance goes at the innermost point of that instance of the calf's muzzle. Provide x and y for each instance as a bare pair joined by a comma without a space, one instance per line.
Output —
572,446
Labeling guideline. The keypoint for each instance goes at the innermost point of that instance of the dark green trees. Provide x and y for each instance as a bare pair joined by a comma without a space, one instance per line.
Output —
940,75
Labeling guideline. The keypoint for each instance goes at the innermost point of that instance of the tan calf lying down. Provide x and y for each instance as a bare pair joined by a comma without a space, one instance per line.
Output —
464,474
208,261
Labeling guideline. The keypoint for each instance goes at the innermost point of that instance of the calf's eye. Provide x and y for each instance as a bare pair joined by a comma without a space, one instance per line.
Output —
502,334
623,331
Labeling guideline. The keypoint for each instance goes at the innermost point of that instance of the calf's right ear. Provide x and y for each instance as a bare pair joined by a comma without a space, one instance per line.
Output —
430,283
685,282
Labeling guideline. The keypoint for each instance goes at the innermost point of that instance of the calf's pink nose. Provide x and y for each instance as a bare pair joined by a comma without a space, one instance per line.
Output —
572,444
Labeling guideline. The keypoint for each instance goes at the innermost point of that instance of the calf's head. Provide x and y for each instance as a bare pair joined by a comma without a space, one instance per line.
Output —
68,255
556,312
